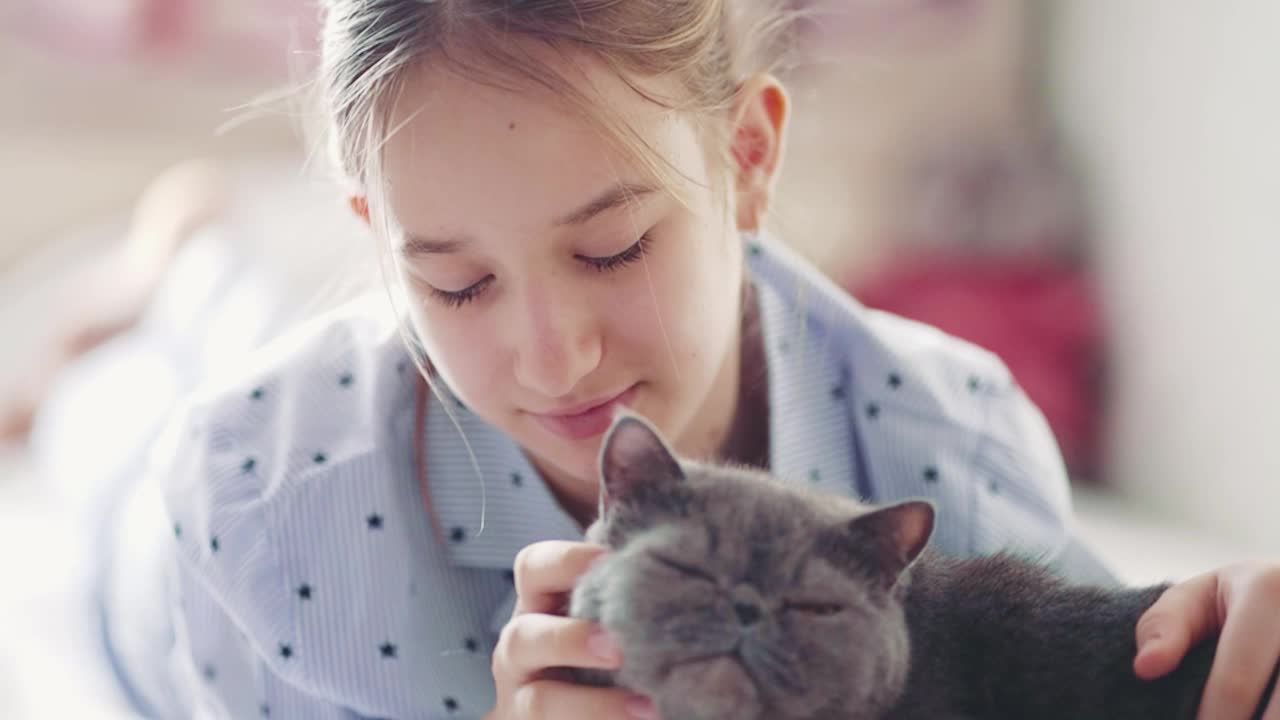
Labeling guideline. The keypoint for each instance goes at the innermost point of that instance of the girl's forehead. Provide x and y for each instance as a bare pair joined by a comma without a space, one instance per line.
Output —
469,158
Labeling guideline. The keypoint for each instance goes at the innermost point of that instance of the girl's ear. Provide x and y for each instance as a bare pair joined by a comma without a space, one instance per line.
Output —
757,141
360,206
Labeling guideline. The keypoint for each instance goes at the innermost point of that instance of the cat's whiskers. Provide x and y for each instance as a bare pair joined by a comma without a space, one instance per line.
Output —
777,663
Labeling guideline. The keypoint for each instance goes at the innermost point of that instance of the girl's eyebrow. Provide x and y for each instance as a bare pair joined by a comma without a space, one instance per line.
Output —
618,195
415,246
621,194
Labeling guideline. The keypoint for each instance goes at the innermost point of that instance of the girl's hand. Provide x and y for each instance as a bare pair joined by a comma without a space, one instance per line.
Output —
538,640
1241,601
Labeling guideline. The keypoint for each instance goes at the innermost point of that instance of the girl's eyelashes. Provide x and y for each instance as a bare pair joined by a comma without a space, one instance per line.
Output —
458,298
614,262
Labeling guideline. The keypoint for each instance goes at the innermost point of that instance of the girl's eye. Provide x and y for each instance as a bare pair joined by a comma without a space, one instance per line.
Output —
820,609
458,298
615,262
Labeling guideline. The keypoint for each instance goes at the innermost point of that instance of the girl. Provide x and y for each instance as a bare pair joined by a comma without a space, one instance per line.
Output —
569,194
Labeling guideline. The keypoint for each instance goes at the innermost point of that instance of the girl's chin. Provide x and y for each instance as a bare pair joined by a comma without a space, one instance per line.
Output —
578,461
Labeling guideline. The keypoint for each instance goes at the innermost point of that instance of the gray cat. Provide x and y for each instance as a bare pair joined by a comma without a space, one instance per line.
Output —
735,596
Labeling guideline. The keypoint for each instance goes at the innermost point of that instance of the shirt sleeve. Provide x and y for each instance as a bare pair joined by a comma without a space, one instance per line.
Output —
231,654
221,672
1080,564
1023,497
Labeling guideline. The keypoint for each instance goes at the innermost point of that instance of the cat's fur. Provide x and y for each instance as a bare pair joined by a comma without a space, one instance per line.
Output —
735,596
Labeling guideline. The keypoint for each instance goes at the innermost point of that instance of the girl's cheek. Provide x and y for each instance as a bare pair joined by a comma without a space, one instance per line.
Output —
467,349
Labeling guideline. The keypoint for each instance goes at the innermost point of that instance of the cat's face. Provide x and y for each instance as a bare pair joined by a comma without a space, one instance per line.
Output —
736,596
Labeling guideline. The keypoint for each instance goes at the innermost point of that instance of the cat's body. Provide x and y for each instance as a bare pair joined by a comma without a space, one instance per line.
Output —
735,596
995,638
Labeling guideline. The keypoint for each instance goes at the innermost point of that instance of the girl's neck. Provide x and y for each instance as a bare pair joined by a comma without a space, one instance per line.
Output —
746,441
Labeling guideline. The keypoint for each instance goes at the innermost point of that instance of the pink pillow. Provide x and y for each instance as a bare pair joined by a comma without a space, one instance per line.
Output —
1038,313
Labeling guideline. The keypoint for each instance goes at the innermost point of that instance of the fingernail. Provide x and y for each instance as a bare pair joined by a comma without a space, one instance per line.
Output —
1147,643
1141,658
604,647
641,708
1147,651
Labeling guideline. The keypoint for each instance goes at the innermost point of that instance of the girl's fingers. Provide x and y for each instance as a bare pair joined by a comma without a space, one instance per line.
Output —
1246,658
534,642
546,572
1185,614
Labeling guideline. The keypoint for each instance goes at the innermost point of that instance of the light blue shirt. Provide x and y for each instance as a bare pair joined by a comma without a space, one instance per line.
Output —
306,580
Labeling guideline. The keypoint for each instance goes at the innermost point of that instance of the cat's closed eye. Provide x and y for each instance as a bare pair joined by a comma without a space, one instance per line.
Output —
683,568
820,609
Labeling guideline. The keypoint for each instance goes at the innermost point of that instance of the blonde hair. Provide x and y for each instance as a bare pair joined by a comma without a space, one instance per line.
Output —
709,46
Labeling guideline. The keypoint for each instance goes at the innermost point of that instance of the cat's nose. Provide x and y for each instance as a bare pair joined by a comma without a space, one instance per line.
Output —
748,613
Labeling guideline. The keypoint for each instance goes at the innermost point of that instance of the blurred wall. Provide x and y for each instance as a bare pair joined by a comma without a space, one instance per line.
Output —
89,113
882,83
1174,111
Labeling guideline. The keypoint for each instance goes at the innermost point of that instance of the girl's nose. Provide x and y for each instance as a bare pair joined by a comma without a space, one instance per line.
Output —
559,345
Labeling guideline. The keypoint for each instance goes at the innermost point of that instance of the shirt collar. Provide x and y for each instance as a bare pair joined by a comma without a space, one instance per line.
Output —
811,432
493,506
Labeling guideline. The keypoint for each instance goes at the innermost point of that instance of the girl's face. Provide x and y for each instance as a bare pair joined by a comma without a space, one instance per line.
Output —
550,281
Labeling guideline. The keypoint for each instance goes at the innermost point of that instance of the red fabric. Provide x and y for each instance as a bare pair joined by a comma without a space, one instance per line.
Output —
1040,315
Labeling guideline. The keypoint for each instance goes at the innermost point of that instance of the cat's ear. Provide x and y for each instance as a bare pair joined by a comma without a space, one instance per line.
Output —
634,458
892,537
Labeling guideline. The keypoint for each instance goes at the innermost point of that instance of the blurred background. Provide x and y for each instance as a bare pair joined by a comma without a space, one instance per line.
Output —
1086,187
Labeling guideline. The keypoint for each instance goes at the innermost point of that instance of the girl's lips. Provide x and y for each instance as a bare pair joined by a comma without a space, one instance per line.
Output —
593,420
